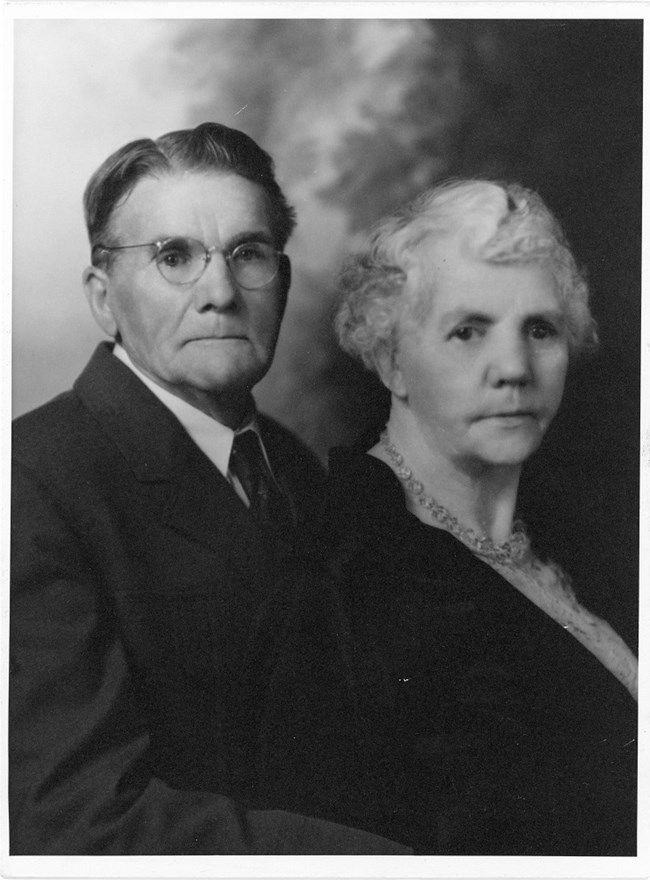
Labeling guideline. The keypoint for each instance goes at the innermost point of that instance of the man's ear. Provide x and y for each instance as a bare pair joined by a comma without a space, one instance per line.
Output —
284,279
390,373
285,273
95,282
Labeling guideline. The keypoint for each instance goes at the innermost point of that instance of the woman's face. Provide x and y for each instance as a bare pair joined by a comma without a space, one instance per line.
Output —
483,372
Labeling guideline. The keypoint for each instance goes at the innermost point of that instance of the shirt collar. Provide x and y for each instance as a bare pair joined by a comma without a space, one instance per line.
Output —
212,437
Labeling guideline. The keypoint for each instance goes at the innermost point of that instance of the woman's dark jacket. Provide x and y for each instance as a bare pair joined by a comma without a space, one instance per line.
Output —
416,693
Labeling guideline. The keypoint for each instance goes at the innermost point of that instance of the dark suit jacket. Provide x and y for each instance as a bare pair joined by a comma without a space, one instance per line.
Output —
137,577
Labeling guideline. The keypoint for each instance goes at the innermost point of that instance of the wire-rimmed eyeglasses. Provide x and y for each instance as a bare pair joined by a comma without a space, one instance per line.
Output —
182,260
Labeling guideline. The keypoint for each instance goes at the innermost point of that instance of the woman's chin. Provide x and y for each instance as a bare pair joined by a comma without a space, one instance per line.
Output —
512,453
508,445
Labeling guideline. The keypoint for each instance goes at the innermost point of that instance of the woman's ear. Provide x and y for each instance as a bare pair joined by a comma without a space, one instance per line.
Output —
389,371
96,282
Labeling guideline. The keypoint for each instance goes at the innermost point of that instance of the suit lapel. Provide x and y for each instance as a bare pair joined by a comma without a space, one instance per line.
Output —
204,506
201,503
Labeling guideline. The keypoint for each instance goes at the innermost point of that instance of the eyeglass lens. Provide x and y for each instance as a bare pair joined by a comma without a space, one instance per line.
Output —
183,260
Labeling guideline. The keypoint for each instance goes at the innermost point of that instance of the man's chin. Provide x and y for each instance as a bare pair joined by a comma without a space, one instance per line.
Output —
228,382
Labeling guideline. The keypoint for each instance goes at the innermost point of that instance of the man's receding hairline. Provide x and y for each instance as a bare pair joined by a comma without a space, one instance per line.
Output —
179,171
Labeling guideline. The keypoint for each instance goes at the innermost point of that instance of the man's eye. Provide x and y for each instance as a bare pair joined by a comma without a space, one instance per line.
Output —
174,257
542,330
251,253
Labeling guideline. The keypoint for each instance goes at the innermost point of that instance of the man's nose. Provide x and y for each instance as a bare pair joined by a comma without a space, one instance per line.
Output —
216,288
510,362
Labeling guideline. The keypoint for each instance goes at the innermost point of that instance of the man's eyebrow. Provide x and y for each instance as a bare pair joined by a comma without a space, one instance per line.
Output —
249,235
243,237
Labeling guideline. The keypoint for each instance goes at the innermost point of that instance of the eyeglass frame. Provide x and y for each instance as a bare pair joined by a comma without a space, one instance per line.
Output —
227,255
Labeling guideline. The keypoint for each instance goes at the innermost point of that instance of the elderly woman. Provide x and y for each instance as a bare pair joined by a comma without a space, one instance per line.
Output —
441,682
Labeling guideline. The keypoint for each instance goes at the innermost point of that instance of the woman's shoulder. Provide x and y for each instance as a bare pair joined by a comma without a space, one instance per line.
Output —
355,474
368,526
364,496
365,510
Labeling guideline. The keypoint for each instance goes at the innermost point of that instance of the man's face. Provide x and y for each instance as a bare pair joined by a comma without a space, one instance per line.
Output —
483,373
210,339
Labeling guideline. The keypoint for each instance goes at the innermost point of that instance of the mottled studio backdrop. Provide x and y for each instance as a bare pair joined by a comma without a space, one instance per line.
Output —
360,115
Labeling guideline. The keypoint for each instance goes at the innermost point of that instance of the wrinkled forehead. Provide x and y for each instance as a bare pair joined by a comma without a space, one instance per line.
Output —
455,267
444,258
195,203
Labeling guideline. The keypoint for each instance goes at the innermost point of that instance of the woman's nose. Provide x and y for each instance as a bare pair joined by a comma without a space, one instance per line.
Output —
510,362
215,289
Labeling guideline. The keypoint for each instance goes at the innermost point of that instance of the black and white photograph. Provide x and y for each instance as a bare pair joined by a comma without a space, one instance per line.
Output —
322,387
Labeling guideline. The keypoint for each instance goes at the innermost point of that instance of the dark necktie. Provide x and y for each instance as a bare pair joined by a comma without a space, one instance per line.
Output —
267,502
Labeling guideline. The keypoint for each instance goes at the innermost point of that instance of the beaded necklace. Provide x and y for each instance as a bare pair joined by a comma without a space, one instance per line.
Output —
510,553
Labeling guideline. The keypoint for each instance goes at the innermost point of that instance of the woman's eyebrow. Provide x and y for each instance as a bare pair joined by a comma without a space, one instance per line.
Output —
474,317
556,315
454,316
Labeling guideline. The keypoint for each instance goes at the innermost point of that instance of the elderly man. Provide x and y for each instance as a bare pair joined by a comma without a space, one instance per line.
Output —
152,508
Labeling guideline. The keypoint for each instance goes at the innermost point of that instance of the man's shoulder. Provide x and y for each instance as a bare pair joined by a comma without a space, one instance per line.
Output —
68,430
295,465
281,441
63,410
276,431
108,408
50,424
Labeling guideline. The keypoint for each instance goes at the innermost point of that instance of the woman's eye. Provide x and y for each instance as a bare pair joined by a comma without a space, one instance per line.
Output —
464,333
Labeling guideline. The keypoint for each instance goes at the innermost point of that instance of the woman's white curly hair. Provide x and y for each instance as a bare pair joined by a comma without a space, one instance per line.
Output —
373,293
